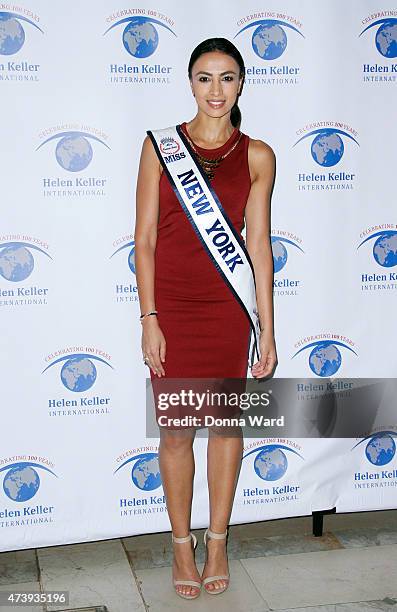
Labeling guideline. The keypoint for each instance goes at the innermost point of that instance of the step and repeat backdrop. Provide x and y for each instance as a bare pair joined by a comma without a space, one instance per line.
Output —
79,89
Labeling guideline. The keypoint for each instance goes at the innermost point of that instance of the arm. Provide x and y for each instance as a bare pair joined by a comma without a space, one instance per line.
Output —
262,164
145,237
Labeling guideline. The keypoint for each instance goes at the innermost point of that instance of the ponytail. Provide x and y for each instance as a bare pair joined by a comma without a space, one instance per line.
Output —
235,116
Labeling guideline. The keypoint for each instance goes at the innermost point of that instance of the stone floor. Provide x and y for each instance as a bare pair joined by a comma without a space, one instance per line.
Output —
274,565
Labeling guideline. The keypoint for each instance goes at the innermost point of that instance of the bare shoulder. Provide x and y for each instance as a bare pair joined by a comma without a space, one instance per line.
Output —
261,158
147,146
149,156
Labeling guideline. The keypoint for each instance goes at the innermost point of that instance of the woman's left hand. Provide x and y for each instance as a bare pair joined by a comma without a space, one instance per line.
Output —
268,360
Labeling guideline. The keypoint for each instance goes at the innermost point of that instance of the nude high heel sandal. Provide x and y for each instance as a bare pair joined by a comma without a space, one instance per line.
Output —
192,583
215,536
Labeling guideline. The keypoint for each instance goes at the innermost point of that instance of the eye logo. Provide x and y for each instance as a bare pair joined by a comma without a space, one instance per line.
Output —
385,37
145,473
78,373
280,253
169,146
327,147
140,36
131,254
271,462
269,40
12,34
16,260
21,481
385,248
381,448
325,358
73,151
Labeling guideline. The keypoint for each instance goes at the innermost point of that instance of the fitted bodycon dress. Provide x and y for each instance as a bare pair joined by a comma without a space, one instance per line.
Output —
207,332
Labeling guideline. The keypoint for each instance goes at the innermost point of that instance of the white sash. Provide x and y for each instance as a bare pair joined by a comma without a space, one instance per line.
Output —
218,236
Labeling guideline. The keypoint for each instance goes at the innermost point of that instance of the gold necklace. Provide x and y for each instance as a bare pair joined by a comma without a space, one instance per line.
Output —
209,165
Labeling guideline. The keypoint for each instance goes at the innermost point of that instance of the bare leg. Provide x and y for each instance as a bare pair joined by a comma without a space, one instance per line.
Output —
176,461
223,467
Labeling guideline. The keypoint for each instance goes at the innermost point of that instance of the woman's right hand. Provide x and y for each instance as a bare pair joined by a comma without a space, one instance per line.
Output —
153,344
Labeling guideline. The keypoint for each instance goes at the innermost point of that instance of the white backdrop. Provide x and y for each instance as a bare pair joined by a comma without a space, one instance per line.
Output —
79,88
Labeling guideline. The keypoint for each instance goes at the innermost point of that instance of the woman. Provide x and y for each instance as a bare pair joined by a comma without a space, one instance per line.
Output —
192,324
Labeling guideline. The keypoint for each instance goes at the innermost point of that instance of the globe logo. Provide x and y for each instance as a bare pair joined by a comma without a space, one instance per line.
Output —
269,41
385,250
12,34
131,260
280,254
381,449
21,483
325,359
16,263
78,374
386,39
270,463
146,473
140,37
327,149
131,254
74,153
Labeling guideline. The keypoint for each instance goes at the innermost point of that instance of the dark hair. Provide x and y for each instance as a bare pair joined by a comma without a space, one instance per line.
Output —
224,46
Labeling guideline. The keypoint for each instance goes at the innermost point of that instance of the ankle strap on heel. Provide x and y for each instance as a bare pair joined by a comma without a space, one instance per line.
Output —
191,536
181,540
215,535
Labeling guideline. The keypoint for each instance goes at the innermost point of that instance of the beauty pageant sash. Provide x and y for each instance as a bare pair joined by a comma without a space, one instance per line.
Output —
221,241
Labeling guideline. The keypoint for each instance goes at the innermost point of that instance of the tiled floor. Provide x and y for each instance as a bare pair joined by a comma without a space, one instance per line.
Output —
274,565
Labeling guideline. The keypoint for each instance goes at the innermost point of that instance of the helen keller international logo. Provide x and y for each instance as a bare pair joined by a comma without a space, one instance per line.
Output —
18,254
325,358
12,40
328,142
126,292
269,40
73,154
383,239
283,245
78,373
141,29
270,463
381,29
379,450
21,480
141,467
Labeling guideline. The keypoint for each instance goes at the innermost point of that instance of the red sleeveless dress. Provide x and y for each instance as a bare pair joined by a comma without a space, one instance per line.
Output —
207,332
